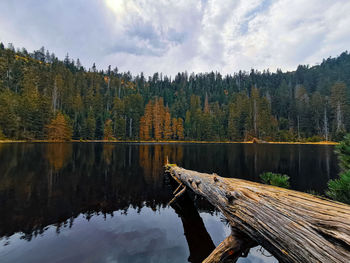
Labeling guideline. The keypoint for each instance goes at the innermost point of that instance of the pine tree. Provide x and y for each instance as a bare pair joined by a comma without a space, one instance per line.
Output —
338,102
118,116
89,127
206,104
99,133
238,118
317,112
255,110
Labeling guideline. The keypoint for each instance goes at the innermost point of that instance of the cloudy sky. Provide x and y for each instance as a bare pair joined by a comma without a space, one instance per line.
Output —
178,35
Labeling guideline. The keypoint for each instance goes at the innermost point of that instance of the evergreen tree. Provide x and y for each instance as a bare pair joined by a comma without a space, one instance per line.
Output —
338,102
89,127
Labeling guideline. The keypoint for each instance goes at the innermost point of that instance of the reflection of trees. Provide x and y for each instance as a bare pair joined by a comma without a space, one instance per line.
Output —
107,152
95,177
58,154
153,157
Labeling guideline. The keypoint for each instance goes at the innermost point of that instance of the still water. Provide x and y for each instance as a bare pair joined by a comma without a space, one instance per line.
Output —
95,202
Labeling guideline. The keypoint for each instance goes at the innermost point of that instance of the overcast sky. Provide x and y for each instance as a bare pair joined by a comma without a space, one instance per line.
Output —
178,35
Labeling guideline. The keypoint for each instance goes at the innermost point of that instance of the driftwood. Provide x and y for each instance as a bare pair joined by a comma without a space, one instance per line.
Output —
293,226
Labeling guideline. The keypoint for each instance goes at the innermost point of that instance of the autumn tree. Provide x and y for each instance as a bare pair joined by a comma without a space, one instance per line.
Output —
59,129
108,130
146,122
174,127
158,118
167,126
180,129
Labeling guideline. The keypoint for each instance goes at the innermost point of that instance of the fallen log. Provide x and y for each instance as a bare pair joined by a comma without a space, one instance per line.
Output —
293,226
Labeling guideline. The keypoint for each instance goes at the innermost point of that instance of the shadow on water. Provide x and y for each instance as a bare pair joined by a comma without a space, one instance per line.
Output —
46,184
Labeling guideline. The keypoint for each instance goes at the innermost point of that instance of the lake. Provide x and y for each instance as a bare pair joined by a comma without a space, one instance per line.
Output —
107,202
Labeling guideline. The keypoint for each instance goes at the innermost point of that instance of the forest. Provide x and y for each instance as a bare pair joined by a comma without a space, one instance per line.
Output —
44,98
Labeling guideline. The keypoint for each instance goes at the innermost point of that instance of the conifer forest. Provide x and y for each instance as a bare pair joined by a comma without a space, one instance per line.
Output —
44,98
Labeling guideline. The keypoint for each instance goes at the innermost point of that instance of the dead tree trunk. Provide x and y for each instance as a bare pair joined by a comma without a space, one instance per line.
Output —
293,226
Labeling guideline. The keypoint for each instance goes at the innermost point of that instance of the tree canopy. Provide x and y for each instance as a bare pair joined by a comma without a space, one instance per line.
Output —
310,103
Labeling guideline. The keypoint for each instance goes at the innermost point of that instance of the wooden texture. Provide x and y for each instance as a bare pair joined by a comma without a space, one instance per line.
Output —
293,226
233,247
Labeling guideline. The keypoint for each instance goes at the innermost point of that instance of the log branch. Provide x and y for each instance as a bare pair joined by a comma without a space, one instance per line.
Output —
177,195
231,248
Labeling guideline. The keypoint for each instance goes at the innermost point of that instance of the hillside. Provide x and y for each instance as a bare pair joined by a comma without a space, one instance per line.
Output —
42,97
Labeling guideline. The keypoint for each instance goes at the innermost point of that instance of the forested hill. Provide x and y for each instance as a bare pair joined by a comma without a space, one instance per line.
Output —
42,97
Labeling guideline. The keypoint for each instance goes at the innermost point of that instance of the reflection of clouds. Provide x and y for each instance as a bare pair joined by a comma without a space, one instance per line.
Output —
216,231
256,256
143,237
138,237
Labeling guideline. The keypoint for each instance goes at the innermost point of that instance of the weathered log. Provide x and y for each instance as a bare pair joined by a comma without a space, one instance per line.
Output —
293,226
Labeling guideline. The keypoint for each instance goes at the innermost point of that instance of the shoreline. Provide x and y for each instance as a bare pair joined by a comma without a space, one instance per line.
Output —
169,142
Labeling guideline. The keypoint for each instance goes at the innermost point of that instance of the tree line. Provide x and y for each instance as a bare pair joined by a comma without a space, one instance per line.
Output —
42,97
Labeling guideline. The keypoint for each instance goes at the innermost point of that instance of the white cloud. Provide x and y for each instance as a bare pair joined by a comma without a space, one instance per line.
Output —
171,36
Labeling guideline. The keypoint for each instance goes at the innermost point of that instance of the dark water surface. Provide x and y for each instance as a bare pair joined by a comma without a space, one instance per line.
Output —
95,202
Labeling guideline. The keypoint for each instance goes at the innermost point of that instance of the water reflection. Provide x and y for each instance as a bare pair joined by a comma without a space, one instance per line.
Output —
51,187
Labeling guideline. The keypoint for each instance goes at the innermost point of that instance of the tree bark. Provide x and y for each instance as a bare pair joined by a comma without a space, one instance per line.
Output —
233,247
293,226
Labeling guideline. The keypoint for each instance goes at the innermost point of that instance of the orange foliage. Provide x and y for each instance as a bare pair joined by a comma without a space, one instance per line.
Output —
174,127
108,130
59,129
157,123
180,129
167,125
146,122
